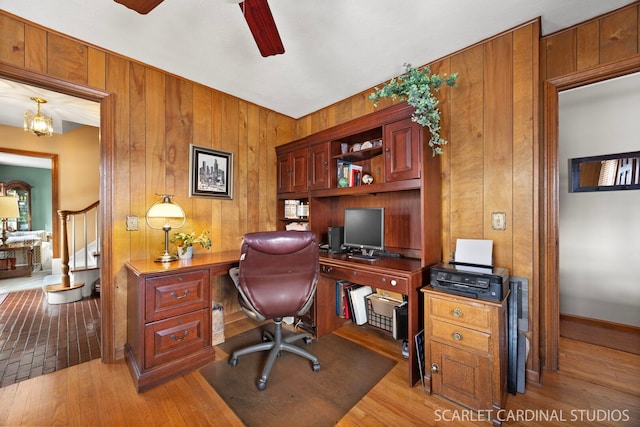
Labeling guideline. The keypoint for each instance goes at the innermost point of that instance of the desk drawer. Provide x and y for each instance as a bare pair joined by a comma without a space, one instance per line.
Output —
173,338
376,280
460,336
176,294
463,313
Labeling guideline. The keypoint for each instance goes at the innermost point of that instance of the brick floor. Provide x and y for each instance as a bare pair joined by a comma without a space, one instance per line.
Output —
37,338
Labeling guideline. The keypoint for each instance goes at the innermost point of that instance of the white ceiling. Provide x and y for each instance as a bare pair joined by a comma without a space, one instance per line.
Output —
333,48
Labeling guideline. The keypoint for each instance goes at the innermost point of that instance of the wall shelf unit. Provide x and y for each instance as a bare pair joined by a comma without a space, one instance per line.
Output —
406,182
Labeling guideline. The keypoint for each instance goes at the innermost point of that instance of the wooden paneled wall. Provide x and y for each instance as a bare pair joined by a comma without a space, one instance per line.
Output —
605,47
491,163
157,115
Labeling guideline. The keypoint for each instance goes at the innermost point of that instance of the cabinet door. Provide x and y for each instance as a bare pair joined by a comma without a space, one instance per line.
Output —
284,173
461,376
402,150
292,171
299,172
319,166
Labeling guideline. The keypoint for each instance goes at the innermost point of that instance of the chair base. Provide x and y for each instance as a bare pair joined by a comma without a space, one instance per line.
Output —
275,343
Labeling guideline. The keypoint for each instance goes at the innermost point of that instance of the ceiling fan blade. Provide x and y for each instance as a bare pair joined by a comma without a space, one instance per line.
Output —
262,26
140,6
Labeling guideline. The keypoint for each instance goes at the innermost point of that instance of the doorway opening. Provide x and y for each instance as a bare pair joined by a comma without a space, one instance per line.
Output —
106,136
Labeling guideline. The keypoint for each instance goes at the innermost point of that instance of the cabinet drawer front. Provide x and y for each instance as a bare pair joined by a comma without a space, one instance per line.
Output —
375,280
176,294
460,336
464,313
173,338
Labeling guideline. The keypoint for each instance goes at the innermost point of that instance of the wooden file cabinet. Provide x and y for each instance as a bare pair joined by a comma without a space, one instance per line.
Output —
169,324
466,350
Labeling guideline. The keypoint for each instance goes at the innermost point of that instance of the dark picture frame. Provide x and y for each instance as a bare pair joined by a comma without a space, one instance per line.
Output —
584,172
211,173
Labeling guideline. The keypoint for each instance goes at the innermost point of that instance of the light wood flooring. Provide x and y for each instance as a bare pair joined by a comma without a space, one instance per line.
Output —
100,394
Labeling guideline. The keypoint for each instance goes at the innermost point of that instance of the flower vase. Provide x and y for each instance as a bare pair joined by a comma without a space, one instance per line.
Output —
185,253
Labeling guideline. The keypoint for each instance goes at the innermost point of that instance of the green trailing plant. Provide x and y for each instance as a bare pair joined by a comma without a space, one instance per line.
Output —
417,87
184,240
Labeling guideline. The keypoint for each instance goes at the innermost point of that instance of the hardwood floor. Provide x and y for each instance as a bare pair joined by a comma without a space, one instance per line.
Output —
98,394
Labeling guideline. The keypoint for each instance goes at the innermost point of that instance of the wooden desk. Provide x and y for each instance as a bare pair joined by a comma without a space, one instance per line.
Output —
20,269
169,315
403,275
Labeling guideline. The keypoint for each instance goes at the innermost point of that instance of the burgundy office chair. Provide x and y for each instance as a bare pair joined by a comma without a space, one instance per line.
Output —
277,278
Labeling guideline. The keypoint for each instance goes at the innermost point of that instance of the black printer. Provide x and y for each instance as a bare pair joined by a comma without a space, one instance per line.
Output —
473,281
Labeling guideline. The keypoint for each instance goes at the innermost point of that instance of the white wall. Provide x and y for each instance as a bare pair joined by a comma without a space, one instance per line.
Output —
600,231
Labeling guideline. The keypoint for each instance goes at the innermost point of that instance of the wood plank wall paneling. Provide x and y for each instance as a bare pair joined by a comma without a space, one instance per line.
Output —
596,43
472,167
157,115
490,164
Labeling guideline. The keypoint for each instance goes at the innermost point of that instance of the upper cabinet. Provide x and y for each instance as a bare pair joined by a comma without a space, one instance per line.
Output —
402,150
292,168
377,160
384,147
319,157
22,191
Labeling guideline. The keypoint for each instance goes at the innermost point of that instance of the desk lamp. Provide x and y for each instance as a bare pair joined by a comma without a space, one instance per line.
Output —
165,215
8,209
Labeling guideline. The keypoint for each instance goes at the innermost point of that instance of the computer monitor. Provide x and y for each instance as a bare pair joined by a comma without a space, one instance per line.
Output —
364,229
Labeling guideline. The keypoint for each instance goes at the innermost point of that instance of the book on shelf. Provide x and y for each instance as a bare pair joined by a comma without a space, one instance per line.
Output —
349,174
347,304
291,208
340,298
359,303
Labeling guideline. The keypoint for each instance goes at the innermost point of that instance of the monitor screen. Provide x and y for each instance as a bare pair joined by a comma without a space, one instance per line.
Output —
364,228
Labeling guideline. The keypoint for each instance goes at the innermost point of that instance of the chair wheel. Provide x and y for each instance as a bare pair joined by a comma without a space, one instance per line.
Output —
233,361
308,340
261,384
316,367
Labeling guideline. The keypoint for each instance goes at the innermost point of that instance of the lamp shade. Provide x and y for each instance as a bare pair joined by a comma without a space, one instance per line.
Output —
9,207
165,215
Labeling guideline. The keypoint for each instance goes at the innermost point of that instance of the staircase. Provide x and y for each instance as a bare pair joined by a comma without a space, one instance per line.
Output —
79,231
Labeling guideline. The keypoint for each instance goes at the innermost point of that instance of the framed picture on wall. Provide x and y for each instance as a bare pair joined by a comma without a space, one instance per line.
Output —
211,173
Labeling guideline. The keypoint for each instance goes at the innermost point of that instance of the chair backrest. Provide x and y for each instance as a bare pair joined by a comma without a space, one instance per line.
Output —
279,272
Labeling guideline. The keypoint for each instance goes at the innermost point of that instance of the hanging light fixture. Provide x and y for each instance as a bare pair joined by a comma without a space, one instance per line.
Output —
38,124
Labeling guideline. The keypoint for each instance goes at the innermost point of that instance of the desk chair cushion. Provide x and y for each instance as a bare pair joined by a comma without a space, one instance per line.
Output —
275,280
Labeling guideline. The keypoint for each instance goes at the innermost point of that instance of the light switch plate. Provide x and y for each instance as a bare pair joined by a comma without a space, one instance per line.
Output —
498,220
132,223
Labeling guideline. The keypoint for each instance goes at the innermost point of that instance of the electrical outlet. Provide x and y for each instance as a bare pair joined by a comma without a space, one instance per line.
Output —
132,223
498,220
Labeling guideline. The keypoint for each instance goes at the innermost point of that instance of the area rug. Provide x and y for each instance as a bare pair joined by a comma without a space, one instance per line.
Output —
295,395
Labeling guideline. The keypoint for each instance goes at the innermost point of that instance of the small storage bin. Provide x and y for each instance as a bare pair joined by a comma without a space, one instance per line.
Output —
380,312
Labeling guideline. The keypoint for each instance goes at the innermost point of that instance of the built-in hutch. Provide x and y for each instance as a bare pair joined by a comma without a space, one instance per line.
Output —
327,171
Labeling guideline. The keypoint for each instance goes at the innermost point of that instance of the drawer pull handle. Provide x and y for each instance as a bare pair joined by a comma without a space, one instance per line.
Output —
176,339
393,282
457,336
457,312
186,292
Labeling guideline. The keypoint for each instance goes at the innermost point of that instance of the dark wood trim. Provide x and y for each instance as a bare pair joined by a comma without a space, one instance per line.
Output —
550,198
107,144
601,332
